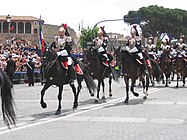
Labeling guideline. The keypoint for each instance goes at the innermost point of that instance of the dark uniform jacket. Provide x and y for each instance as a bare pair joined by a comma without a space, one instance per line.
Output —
30,67
11,66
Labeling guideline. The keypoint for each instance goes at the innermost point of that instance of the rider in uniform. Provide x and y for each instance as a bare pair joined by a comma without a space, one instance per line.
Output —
135,48
100,42
181,47
63,47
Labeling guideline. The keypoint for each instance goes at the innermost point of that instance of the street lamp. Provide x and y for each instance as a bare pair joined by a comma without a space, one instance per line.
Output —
8,19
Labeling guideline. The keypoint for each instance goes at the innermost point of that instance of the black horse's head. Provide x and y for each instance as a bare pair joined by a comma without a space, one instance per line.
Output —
48,56
91,55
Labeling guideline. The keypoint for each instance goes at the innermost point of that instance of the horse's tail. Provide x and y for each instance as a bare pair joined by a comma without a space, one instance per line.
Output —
7,100
88,79
157,70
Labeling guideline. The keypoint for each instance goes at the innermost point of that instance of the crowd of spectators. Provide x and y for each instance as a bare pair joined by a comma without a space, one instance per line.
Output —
21,51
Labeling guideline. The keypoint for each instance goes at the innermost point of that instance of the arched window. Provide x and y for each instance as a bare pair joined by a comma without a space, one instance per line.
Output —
28,28
12,27
5,27
20,27
35,31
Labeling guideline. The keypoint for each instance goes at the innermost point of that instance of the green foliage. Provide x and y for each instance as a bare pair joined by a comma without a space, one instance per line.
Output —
87,36
161,20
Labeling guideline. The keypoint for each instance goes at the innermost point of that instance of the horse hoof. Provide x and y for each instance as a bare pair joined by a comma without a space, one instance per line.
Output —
110,95
126,101
136,94
144,97
44,105
58,112
96,101
92,94
103,97
75,105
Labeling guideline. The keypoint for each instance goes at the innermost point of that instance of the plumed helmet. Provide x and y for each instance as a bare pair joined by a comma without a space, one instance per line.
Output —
100,32
134,31
181,39
61,29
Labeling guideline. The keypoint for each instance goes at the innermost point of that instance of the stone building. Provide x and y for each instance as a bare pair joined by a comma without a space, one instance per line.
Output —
27,28
20,27
116,40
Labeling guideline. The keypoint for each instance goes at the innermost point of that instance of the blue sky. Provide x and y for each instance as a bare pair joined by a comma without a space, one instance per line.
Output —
88,12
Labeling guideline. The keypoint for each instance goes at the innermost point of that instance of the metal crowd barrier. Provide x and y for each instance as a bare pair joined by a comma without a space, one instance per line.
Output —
20,77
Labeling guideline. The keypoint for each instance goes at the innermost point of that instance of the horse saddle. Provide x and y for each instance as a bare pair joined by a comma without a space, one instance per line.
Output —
76,67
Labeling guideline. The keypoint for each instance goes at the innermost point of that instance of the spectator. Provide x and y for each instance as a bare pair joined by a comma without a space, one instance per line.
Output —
30,72
10,68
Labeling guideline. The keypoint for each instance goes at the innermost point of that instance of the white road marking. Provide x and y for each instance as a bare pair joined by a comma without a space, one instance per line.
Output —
124,119
160,102
166,120
74,113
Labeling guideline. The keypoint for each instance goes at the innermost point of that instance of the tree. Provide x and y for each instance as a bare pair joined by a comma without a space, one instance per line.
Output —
87,36
161,20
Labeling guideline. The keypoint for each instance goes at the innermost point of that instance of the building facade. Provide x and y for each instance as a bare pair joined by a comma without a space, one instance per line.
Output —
20,27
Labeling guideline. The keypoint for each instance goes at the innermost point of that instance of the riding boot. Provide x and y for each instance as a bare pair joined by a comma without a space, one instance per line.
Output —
143,66
71,74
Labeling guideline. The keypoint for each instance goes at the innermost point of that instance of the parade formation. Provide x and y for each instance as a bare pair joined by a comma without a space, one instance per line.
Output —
147,64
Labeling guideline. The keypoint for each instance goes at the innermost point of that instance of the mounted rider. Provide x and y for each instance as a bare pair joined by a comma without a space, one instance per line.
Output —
100,42
181,47
63,47
150,48
164,46
134,47
150,52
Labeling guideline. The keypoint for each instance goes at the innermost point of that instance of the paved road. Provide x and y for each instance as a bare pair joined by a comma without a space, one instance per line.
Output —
163,116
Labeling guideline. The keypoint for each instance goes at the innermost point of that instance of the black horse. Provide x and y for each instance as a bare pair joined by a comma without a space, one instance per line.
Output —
166,66
7,101
132,70
181,69
99,71
56,74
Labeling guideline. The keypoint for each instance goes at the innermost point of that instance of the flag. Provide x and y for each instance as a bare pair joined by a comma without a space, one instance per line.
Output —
11,28
42,41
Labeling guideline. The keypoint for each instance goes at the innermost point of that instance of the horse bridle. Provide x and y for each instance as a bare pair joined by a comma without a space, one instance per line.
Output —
50,62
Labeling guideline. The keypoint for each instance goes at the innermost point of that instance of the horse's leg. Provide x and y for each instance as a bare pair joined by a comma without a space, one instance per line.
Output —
103,85
177,81
132,87
126,79
98,90
79,87
46,86
183,81
58,111
166,84
144,90
110,86
146,87
163,82
75,103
